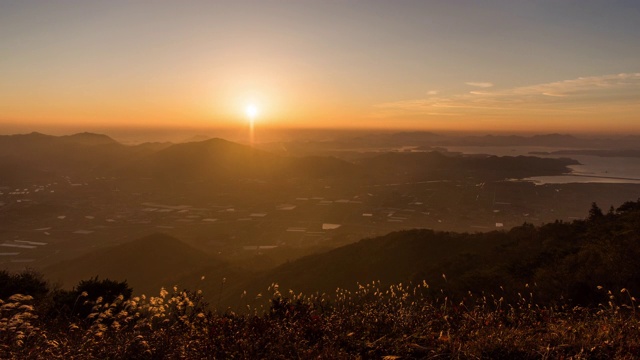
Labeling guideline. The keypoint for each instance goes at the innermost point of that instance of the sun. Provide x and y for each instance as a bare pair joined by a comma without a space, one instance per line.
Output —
252,111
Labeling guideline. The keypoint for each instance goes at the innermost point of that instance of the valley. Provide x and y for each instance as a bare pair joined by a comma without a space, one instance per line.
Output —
79,194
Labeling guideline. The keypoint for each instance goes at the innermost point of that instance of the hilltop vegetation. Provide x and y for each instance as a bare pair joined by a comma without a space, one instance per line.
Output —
567,260
563,290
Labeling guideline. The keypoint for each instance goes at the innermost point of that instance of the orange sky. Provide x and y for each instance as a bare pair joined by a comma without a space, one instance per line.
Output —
432,65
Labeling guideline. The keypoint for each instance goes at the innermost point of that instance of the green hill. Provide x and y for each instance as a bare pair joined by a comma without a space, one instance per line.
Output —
146,264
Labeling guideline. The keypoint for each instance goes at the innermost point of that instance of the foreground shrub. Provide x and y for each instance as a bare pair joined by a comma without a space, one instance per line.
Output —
28,282
401,321
78,303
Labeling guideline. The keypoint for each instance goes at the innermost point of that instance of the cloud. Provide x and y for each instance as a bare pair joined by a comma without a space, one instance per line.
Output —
432,92
581,85
480,84
605,94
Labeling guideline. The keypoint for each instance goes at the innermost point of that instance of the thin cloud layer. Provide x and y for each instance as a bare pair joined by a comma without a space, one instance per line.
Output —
614,93
480,84
583,85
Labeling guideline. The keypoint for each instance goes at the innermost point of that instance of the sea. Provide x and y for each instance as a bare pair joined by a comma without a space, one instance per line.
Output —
592,169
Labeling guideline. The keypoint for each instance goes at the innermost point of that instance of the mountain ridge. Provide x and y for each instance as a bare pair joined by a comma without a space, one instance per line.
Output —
147,263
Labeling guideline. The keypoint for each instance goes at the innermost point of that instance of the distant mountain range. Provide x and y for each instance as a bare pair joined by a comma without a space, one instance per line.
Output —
31,156
36,155
209,159
546,140
602,153
435,165
425,140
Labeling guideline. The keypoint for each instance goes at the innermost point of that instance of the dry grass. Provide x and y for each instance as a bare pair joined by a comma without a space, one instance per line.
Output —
398,322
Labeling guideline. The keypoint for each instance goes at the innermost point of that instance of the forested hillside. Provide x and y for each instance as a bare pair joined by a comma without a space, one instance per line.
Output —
564,260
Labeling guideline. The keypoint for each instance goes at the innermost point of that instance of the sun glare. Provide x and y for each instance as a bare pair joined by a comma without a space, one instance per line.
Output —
252,111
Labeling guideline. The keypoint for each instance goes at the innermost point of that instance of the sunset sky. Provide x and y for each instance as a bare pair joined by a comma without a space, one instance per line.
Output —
569,66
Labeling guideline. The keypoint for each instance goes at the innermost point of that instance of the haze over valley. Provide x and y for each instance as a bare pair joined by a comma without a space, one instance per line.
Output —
254,208
250,179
